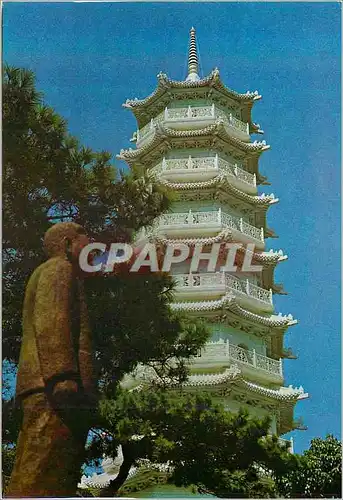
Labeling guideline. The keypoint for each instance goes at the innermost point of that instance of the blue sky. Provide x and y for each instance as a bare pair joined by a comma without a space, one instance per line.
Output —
89,58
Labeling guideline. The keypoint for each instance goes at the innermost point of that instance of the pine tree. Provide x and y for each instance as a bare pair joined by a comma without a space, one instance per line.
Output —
49,177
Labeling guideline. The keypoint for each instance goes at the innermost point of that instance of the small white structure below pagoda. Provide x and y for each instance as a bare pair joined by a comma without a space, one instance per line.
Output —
196,136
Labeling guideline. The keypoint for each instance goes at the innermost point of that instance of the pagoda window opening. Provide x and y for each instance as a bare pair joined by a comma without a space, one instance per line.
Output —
235,211
249,276
193,103
232,160
186,153
228,110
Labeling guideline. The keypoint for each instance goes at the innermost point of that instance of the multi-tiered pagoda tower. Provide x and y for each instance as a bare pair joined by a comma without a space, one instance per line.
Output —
196,136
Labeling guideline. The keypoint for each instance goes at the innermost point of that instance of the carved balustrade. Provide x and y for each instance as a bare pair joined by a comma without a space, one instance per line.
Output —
192,113
225,349
209,163
210,217
242,286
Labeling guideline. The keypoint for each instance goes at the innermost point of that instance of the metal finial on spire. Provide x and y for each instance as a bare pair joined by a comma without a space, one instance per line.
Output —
193,64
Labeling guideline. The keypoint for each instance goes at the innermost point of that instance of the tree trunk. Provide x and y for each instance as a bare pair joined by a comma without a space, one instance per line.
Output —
112,489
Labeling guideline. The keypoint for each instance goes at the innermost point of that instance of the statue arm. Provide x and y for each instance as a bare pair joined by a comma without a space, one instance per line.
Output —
52,311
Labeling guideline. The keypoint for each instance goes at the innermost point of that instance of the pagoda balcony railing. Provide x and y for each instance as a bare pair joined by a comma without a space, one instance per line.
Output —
195,115
248,288
242,226
222,281
215,353
209,164
207,220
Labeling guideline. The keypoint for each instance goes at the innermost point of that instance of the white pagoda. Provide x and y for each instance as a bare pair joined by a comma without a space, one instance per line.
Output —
196,136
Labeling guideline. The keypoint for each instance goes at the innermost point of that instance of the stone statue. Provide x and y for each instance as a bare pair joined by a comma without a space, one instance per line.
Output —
55,384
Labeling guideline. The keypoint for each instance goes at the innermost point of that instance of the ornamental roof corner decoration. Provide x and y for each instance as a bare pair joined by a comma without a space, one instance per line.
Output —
222,180
233,374
213,79
227,301
270,257
218,128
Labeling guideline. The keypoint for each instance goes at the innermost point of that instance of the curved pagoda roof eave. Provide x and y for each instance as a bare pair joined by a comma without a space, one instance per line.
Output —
268,260
285,397
261,199
234,375
213,79
228,302
269,257
218,128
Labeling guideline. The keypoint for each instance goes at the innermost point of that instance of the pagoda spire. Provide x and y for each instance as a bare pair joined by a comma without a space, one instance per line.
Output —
193,63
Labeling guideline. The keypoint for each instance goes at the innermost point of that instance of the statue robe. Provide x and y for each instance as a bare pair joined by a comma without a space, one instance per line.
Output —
56,347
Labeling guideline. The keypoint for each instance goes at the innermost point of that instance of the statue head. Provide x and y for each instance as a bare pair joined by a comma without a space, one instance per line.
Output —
65,239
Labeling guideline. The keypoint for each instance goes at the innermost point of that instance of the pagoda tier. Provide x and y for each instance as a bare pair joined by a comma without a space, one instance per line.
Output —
225,185
226,315
194,137
206,171
214,223
210,88
214,138
234,390
267,260
161,132
221,190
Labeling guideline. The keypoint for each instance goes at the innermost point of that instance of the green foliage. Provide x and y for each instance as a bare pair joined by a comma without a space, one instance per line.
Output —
48,176
318,474
7,459
132,323
224,454
145,478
